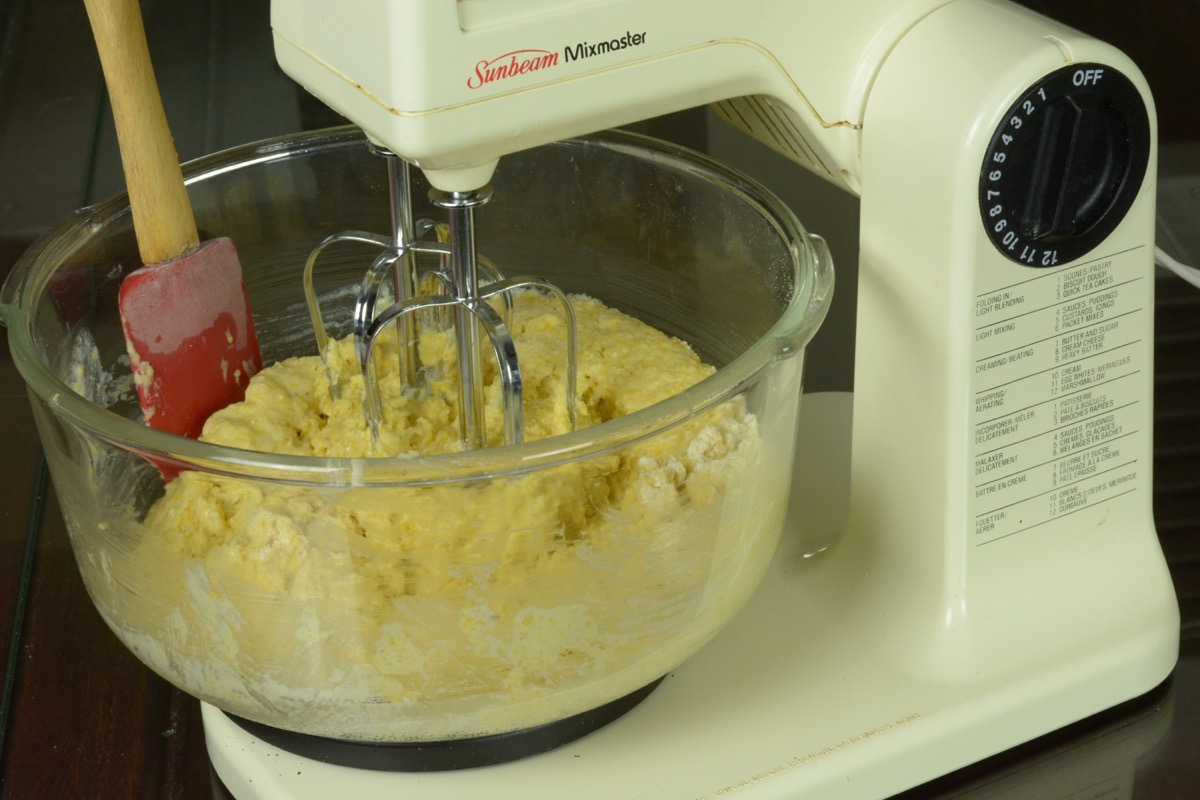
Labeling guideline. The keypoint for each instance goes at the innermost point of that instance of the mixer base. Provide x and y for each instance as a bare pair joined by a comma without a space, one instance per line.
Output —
440,756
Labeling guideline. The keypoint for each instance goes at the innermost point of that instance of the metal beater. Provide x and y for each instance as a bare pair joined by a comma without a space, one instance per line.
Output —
465,281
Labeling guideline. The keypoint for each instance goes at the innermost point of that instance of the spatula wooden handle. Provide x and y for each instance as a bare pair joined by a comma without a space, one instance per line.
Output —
162,215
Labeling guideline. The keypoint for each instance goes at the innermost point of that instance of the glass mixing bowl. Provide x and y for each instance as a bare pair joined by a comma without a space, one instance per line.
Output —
449,596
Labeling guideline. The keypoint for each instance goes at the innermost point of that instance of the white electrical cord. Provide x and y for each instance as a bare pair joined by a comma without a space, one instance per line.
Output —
1189,274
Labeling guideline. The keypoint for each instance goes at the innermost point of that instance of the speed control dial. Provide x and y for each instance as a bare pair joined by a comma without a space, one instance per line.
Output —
1065,165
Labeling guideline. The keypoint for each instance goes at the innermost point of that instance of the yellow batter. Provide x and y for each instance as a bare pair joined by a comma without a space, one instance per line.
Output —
453,609
624,365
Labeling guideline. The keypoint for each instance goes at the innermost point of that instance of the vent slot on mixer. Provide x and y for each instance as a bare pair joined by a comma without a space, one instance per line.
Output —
774,125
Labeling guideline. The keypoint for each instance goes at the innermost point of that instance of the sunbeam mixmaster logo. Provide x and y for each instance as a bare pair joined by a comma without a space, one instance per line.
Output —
523,62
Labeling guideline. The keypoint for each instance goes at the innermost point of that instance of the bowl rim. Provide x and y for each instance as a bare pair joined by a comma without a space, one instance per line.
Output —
787,337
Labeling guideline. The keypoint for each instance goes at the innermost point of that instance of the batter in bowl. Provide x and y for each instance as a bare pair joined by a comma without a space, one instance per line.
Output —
454,609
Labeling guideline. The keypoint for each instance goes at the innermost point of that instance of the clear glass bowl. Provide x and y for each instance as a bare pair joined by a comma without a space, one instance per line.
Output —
450,596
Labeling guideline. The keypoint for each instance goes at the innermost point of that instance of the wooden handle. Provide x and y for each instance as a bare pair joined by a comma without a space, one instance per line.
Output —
162,215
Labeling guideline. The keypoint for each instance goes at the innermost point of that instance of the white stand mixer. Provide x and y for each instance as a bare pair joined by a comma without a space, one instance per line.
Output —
999,575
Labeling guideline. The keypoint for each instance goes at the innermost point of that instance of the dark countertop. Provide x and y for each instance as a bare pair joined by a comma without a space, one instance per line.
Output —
81,717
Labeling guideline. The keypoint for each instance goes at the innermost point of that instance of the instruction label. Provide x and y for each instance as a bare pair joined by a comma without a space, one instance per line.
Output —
1059,393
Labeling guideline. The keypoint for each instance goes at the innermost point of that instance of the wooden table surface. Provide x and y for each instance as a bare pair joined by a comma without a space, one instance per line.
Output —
81,718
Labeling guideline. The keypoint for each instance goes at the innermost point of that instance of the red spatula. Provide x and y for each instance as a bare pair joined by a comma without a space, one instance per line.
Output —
185,315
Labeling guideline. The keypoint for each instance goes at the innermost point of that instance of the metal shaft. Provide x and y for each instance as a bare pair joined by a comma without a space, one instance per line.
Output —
464,285
404,269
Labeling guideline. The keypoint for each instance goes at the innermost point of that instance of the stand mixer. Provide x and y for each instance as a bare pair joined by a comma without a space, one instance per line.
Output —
994,572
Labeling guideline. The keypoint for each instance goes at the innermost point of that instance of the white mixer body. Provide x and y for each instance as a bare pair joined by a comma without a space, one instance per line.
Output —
1000,573
1003,419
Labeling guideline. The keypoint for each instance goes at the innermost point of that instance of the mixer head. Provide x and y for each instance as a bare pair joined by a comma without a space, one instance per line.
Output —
453,86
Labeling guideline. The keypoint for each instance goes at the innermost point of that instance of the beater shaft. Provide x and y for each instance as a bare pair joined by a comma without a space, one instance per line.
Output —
404,269
464,285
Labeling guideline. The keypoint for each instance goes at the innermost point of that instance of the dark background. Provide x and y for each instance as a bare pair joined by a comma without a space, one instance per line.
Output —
80,717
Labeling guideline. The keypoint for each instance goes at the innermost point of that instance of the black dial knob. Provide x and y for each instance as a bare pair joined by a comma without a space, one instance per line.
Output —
1065,165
